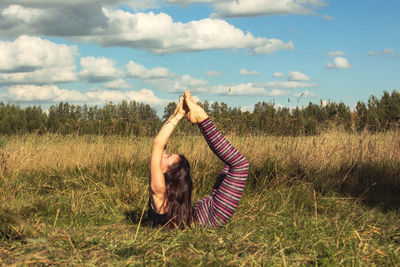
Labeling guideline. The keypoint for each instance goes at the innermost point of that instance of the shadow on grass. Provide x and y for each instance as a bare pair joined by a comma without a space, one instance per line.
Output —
14,227
375,184
135,217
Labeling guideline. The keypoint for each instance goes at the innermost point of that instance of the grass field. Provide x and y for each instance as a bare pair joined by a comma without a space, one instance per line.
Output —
333,199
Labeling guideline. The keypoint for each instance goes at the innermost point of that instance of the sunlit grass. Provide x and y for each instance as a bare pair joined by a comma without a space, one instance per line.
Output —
330,199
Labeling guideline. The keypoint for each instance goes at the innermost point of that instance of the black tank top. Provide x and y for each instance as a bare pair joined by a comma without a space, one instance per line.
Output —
155,218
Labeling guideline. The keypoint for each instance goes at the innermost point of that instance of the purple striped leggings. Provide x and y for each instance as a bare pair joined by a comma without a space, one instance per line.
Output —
217,208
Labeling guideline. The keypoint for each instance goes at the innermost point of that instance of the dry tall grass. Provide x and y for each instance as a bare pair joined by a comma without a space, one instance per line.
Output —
329,150
309,155
69,193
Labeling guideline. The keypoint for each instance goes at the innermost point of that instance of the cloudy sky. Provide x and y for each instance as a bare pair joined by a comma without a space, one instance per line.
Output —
288,52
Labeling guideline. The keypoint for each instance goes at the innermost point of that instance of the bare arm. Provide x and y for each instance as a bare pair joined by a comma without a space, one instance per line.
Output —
157,181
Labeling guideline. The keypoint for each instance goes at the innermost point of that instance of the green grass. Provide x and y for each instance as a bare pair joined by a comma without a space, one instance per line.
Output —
293,212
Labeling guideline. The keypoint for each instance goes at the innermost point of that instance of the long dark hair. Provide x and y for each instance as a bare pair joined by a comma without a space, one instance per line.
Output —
178,195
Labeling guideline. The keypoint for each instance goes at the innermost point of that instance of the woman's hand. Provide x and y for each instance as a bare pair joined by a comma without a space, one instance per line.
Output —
196,113
179,112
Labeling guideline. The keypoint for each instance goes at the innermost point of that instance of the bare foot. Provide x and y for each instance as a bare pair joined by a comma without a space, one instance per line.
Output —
196,113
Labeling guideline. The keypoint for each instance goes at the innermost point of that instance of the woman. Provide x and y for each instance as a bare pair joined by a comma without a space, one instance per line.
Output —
170,182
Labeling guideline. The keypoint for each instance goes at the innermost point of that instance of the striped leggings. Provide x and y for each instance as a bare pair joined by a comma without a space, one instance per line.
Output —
217,208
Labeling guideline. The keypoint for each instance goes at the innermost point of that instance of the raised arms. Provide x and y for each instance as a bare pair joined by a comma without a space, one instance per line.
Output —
157,180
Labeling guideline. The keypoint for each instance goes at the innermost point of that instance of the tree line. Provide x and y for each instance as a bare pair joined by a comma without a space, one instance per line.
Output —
132,118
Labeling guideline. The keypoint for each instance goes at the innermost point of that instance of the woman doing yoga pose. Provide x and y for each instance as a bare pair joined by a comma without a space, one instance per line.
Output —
171,184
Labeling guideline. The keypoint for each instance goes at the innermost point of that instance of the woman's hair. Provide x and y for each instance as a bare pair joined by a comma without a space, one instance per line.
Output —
179,194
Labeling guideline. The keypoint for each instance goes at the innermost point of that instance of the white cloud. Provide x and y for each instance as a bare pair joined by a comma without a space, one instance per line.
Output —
298,76
51,18
40,76
35,60
247,89
179,84
335,54
46,93
273,45
53,94
288,85
144,95
278,75
213,73
99,69
245,72
186,82
139,71
118,84
339,63
274,88
29,53
164,80
22,14
158,33
388,53
241,8
100,22
277,92
239,89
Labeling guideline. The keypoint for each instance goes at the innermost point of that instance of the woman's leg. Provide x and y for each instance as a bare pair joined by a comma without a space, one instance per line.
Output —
217,208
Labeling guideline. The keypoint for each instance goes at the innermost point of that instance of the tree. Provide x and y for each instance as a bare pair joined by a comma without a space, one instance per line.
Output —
53,122
298,122
372,115
361,121
169,110
389,110
215,109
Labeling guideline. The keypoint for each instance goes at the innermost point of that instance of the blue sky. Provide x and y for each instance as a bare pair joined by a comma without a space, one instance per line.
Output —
236,51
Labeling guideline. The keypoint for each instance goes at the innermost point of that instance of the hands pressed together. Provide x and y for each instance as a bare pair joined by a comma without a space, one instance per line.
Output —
187,106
